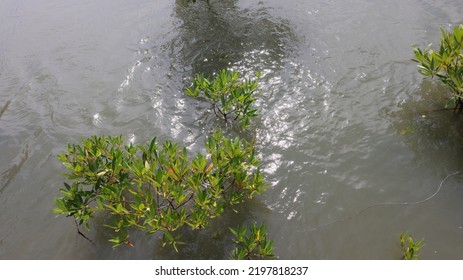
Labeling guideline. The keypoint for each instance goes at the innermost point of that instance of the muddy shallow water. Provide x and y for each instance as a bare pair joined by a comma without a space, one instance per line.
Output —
346,122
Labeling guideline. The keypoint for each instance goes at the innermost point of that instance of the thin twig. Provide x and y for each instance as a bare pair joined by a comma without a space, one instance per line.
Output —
171,204
215,112
185,202
223,114
83,235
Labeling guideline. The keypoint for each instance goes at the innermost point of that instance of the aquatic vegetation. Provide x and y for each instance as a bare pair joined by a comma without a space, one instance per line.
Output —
230,97
156,187
409,247
252,246
446,64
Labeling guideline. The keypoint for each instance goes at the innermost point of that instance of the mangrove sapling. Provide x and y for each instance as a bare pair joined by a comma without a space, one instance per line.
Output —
252,246
156,187
410,247
231,98
445,64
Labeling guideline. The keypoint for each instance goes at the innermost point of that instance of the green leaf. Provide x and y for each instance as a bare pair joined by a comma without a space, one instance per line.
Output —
137,200
233,232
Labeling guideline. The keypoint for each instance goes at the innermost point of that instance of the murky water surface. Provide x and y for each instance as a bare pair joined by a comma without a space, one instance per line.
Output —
346,121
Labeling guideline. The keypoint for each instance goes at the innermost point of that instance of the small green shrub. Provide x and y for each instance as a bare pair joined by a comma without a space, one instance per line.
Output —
252,246
409,247
156,188
446,64
230,97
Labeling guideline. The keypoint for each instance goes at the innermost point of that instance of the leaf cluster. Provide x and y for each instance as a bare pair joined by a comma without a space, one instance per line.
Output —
230,97
409,247
252,246
156,187
446,64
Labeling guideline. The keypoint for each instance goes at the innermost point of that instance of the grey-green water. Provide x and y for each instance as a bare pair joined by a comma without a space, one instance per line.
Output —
346,121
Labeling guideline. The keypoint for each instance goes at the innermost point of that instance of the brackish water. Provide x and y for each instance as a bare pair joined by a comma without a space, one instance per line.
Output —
346,122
